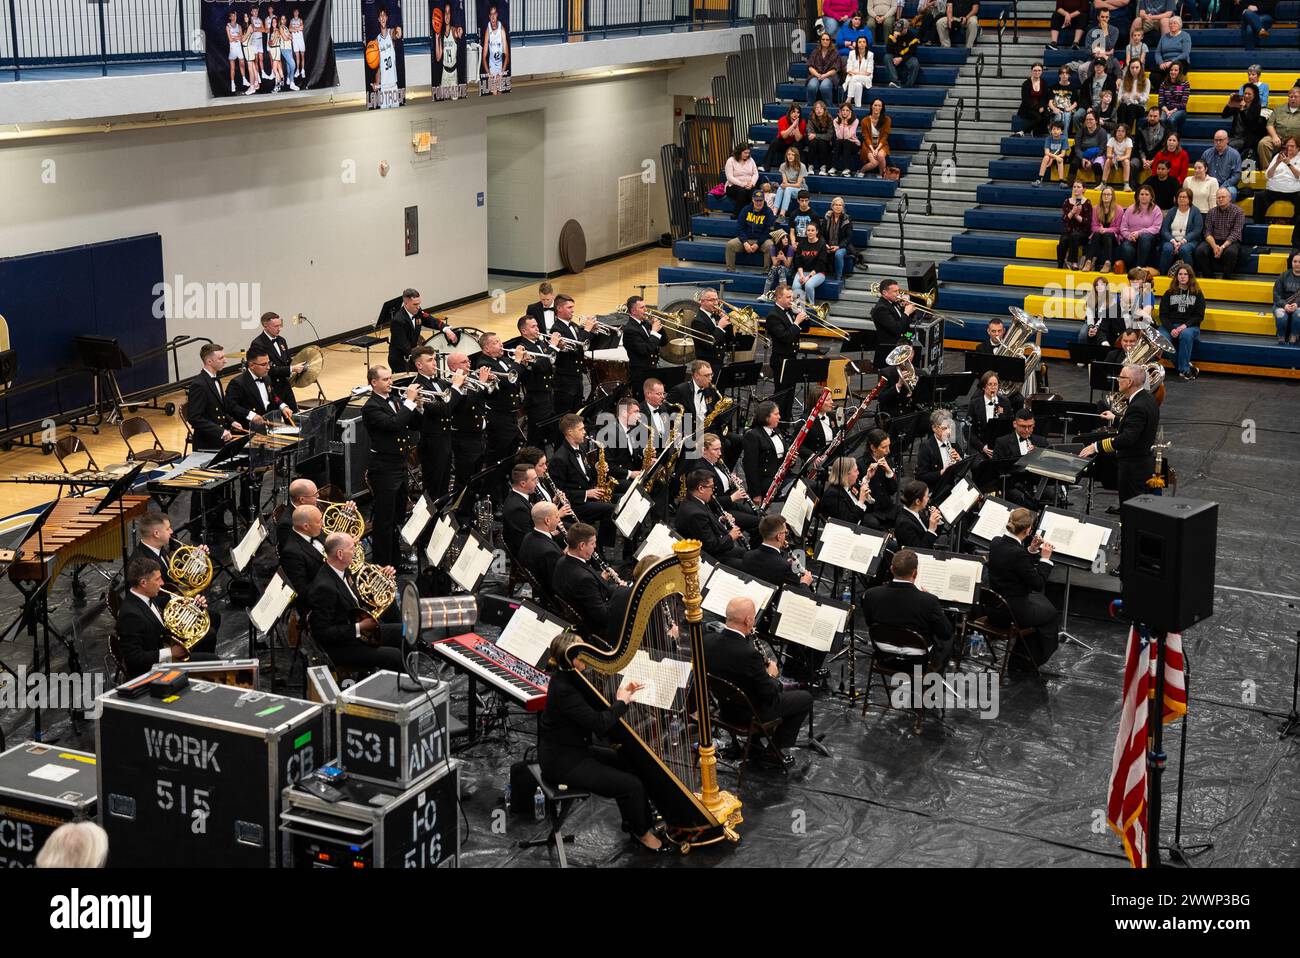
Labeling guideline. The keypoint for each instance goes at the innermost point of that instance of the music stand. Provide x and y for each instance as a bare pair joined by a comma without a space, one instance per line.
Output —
1010,369
802,372
861,341
736,375
670,376
1074,562
1104,376
1052,465
103,357
854,567
1067,411
1085,354
934,389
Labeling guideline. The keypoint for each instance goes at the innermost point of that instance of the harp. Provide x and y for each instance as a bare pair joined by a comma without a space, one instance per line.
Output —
666,739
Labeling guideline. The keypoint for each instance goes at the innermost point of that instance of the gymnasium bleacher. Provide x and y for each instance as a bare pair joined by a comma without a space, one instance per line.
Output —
1005,256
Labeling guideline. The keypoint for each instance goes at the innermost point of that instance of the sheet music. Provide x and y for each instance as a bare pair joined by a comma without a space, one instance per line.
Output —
806,622
661,679
992,521
949,580
658,543
252,541
471,565
527,636
707,568
1055,465
1069,536
272,604
725,585
796,508
443,532
848,548
961,498
634,507
420,517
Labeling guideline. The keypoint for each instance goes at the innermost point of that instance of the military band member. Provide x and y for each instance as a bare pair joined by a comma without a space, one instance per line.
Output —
390,419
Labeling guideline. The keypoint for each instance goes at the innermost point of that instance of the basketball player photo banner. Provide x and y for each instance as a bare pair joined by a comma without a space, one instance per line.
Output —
264,48
449,46
381,27
494,48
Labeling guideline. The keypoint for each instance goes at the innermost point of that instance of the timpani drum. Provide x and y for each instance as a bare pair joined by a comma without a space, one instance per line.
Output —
608,365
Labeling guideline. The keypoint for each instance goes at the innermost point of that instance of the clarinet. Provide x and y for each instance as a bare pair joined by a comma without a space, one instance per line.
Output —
599,561
559,498
793,453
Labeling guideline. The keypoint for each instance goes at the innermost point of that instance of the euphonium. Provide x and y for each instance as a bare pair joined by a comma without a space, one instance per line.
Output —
184,618
343,517
900,357
191,569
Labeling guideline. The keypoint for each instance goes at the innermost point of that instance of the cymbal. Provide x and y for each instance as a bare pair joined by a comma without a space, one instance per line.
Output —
313,361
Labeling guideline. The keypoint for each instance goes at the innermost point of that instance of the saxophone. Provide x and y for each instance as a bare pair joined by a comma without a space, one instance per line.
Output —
604,483
664,473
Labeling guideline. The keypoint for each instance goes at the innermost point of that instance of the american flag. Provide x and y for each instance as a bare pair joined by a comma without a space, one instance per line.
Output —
1126,808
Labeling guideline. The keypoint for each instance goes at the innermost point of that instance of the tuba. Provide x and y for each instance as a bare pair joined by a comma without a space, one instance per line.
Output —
1151,345
1022,342
343,517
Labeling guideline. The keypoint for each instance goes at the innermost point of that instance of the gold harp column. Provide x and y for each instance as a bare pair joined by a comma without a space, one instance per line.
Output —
723,806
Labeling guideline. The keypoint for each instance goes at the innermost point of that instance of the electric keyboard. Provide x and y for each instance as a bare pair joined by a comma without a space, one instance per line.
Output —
481,659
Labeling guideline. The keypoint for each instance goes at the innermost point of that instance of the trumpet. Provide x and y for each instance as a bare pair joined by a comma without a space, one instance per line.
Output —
600,328
823,312
566,344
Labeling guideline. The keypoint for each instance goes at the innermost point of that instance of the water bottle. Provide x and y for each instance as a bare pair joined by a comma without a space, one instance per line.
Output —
539,804
505,795
847,595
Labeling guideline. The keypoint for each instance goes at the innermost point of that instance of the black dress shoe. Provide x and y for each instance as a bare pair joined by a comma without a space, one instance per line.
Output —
1113,511
638,844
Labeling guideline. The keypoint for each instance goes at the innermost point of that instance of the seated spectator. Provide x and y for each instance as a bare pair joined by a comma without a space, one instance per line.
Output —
1180,232
820,133
835,14
1091,89
1253,73
961,15
742,176
880,18
873,130
809,265
1148,137
1070,17
837,231
1102,41
1155,15
791,130
1055,150
1121,13
1182,310
1137,300
1141,230
1065,99
778,273
1286,302
1103,323
1105,111
847,38
929,12
824,67
1035,95
1119,157
1221,247
844,149
859,71
1284,122
753,233
1256,21
901,65
1248,126
802,216
1174,154
1164,188
1089,147
1174,47
794,177
1134,91
1136,48
1223,163
1107,219
1203,187
1076,227
1283,184
1172,97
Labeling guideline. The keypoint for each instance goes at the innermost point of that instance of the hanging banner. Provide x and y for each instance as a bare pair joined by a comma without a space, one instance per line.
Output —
494,46
381,26
449,48
263,48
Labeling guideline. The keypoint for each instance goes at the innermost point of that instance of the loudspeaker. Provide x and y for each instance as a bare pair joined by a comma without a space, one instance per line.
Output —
352,448
1167,564
923,277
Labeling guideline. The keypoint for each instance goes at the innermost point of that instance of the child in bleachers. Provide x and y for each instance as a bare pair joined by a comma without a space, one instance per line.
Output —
782,257
1119,156
1055,149
794,177
1252,76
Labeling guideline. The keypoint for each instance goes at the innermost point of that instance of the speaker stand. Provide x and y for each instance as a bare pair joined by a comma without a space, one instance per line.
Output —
1292,724
1181,855
1064,635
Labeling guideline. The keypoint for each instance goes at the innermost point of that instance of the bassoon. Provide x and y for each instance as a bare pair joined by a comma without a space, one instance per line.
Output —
793,453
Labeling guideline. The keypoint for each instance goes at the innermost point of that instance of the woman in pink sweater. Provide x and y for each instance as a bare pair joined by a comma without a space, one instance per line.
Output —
1107,220
1140,229
836,13
846,144
742,177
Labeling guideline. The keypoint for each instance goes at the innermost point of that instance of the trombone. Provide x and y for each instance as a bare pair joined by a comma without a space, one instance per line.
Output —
925,304
823,312
676,324
743,319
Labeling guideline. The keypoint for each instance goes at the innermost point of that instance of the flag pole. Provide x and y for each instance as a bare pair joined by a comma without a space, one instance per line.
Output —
1155,754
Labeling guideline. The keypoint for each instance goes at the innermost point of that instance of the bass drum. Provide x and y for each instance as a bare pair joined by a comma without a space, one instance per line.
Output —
466,342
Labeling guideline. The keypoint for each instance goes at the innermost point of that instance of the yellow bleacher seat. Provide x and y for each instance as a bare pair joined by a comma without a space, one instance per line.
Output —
1043,277
1045,248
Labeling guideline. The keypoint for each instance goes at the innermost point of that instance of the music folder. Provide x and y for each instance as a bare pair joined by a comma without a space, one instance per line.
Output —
991,521
957,502
726,584
444,531
252,541
658,543
807,620
851,547
632,510
529,634
272,604
473,562
798,506
1076,539
951,578
1051,464
415,525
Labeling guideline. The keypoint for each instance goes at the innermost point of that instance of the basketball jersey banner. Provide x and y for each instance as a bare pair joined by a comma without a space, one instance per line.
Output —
494,48
449,46
265,48
385,61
